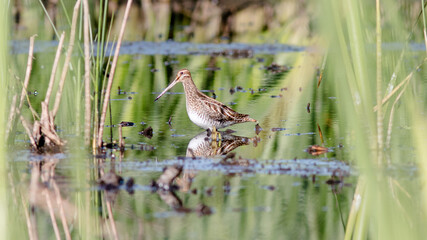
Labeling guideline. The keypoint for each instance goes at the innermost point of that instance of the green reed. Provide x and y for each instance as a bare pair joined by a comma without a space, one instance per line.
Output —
4,201
384,204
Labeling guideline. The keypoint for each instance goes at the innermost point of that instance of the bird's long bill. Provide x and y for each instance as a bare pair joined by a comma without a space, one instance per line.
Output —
167,88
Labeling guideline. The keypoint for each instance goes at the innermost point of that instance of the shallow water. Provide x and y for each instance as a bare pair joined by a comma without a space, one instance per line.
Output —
289,177
269,186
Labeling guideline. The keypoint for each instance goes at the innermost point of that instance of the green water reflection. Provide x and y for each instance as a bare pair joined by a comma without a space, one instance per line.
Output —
255,204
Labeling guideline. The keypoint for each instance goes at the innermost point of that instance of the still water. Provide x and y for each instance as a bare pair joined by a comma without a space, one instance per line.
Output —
258,182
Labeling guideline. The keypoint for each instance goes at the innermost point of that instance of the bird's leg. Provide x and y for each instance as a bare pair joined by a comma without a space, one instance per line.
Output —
216,136
215,139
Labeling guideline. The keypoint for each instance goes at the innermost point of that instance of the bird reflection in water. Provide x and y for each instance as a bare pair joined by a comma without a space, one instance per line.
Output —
201,145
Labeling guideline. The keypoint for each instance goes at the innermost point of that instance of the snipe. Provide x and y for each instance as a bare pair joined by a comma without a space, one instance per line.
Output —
202,110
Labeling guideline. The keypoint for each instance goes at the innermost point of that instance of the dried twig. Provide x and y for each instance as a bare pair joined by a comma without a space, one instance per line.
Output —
112,222
111,77
24,92
87,72
54,68
28,130
52,214
27,73
121,142
32,233
33,192
67,59
61,210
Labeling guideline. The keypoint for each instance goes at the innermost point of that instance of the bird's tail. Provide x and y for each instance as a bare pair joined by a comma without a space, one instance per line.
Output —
251,120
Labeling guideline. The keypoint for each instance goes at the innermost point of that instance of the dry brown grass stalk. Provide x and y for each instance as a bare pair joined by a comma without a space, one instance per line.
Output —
24,92
32,233
28,130
112,221
121,141
54,68
52,214
28,72
111,77
61,210
67,59
44,137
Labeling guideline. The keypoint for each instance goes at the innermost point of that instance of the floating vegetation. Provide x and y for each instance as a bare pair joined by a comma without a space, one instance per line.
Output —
147,132
232,91
258,129
127,124
170,122
121,92
317,150
294,167
276,68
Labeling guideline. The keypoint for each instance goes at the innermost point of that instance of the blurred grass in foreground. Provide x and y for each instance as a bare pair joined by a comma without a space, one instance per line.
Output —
385,206
4,29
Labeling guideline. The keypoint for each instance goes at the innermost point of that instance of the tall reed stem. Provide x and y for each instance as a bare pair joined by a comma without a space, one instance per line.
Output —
111,77
379,85
54,68
67,59
87,72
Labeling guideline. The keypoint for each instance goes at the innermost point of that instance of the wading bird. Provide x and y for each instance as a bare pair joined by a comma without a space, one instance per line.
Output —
202,110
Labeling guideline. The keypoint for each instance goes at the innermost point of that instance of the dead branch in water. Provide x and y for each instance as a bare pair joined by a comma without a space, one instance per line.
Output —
43,136
28,72
67,59
111,77
54,68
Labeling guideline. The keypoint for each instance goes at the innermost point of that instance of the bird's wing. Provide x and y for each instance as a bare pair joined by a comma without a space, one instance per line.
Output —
220,111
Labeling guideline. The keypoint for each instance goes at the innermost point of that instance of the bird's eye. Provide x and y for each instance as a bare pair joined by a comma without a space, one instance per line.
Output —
180,73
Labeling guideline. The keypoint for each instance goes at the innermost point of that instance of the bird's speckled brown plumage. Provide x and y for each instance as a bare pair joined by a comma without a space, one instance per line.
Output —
204,111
